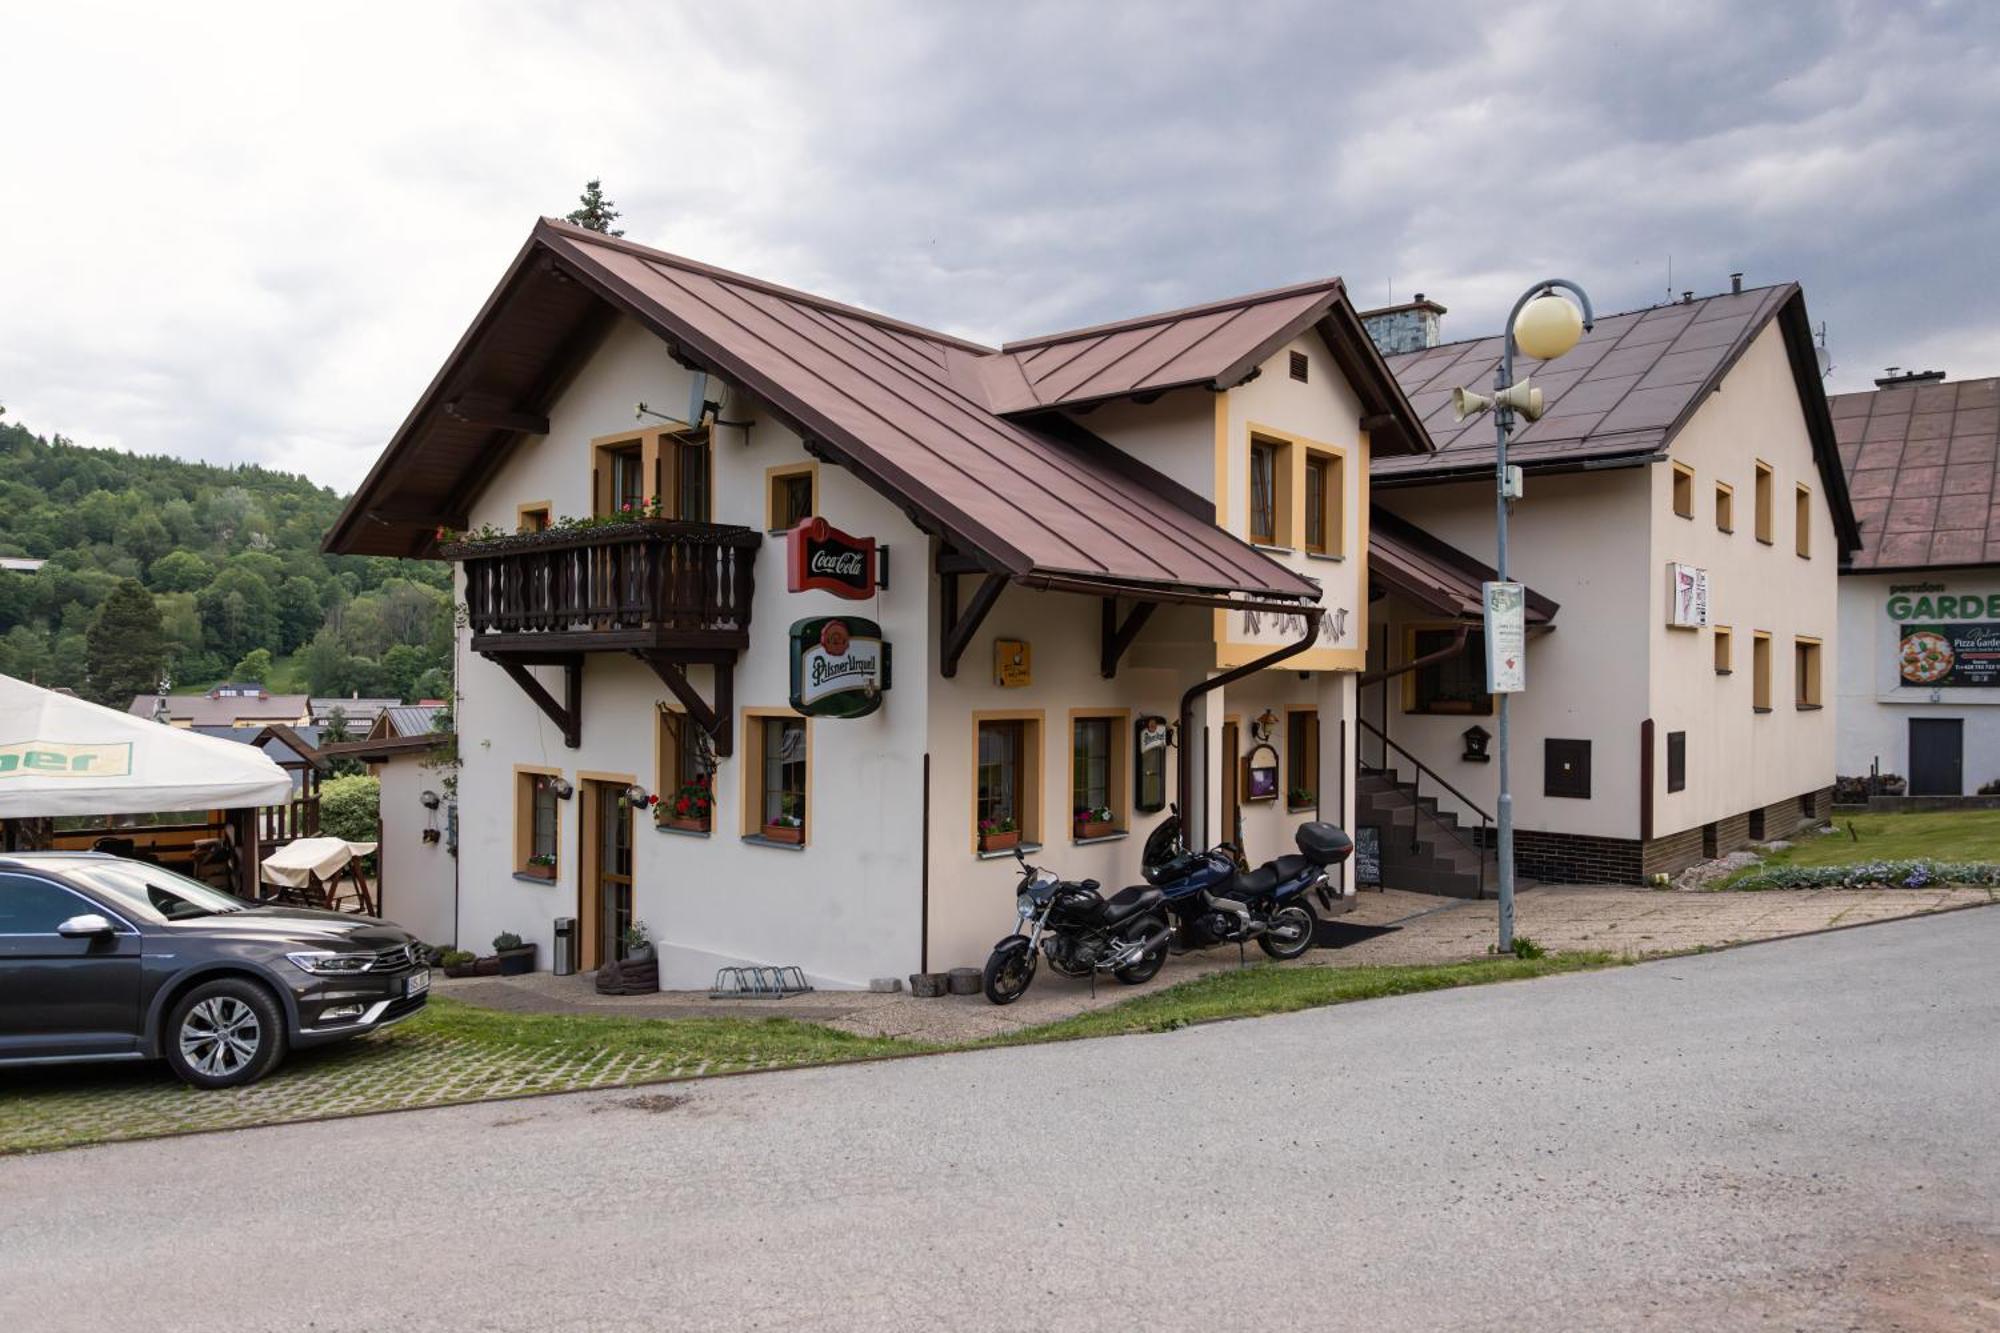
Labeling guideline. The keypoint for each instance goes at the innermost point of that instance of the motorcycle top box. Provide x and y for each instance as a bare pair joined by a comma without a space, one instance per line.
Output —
1324,844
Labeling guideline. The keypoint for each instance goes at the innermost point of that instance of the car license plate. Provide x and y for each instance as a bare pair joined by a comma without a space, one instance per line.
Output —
418,983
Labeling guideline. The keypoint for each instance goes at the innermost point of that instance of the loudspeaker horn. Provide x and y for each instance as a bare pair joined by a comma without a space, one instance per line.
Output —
1466,403
1523,397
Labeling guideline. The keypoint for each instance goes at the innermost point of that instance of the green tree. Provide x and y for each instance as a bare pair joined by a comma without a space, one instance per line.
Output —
238,613
181,571
350,807
126,650
253,665
596,212
299,612
146,538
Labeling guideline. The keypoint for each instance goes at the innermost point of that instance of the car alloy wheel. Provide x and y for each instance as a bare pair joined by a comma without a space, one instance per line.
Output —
220,1036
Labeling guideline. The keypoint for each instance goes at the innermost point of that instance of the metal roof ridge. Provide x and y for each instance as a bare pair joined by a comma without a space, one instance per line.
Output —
571,231
1328,285
1614,314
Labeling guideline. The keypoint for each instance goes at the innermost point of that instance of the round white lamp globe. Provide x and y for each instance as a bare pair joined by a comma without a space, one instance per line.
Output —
1548,326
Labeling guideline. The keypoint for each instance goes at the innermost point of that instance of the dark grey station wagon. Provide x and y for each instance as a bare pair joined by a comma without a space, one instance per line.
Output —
103,958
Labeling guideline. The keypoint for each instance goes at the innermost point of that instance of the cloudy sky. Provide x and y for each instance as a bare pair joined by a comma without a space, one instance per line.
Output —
252,233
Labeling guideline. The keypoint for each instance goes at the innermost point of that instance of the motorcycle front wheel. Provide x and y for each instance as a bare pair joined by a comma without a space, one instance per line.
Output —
1008,971
1290,933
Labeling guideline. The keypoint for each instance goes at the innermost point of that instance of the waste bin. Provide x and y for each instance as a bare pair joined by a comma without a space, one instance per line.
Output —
565,959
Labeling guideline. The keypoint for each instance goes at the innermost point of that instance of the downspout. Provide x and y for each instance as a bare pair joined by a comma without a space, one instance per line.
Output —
1185,783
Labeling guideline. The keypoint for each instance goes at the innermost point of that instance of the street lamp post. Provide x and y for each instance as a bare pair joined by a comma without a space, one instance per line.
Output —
1545,326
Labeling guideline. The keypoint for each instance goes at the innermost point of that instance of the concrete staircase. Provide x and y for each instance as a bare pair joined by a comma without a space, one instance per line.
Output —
1443,860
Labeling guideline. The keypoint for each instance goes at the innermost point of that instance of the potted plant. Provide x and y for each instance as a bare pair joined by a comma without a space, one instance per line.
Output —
1095,821
1301,798
458,963
542,865
998,833
788,825
516,958
692,808
638,944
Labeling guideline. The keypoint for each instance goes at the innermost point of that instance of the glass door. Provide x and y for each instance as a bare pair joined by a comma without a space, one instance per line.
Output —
614,870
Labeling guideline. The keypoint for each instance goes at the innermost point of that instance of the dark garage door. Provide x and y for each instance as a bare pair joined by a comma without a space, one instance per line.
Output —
1937,756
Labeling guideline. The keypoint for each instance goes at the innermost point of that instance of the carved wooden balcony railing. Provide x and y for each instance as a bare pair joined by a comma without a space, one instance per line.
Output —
651,586
671,593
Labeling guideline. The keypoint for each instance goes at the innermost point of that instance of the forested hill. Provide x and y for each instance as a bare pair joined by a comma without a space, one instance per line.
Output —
156,565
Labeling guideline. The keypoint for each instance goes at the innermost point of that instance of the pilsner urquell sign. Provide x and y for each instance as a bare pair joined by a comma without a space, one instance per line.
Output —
819,555
840,666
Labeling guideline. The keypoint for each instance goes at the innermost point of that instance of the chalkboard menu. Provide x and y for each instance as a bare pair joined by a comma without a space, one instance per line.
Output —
1368,855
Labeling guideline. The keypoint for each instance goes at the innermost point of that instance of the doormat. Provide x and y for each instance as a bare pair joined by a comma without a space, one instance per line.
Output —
1340,934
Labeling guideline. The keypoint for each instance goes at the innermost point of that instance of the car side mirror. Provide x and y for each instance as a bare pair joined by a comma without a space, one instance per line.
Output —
84,927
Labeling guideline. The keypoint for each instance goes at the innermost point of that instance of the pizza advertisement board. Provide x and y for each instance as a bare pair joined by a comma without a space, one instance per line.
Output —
1949,656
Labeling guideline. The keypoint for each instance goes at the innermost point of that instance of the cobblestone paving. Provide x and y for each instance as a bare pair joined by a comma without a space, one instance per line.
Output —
393,1070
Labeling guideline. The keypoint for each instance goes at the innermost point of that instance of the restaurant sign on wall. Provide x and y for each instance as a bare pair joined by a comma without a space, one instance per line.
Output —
1946,639
840,666
822,557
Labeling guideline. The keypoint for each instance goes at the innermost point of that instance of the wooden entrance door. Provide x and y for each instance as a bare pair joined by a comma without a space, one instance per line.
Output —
1231,827
604,885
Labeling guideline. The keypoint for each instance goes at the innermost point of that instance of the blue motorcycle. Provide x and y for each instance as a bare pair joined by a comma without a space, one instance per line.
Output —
1208,900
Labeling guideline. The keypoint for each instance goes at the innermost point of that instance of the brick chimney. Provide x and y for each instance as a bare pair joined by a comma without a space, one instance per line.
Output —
1410,327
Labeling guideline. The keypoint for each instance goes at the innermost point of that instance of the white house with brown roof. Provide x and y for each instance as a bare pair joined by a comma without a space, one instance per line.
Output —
1919,690
667,478
1684,519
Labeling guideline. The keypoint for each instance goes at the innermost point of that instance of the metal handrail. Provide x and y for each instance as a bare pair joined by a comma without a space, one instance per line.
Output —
1416,793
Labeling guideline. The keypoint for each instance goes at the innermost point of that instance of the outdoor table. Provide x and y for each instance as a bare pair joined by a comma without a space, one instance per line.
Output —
303,870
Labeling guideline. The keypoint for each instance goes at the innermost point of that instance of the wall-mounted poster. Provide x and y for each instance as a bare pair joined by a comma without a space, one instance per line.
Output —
1950,656
1687,596
1260,774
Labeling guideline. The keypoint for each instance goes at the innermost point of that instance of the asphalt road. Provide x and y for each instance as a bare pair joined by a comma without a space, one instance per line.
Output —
1796,1135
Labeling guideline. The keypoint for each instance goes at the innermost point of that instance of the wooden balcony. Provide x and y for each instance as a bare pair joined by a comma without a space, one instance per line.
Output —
651,587
670,593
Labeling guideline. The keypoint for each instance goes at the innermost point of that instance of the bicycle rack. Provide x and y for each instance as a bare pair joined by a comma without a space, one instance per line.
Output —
758,983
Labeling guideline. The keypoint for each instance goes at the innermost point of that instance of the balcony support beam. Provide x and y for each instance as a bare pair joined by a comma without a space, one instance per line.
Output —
567,715
718,720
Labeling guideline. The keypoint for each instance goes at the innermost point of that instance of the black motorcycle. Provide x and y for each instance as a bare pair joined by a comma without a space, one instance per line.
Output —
1211,900
1081,932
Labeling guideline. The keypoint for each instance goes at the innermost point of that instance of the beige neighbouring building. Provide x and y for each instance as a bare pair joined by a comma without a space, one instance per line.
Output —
1685,447
1069,535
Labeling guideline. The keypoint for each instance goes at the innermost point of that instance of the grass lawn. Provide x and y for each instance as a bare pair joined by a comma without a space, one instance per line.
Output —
450,1053
1943,835
1280,990
454,1053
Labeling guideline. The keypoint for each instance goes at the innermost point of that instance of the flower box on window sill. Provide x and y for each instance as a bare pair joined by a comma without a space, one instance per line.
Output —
533,871
1095,828
783,833
1000,842
684,824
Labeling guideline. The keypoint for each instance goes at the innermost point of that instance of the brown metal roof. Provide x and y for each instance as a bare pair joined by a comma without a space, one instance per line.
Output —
1923,466
1632,383
1435,575
906,409
1216,345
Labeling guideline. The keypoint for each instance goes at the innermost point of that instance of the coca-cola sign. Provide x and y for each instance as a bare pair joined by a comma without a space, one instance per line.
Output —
821,556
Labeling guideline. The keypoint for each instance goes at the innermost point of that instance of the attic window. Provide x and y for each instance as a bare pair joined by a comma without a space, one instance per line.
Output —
1299,366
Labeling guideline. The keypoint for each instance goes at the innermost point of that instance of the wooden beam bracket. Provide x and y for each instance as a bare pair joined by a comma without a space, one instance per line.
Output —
1117,636
568,715
495,414
959,628
718,719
